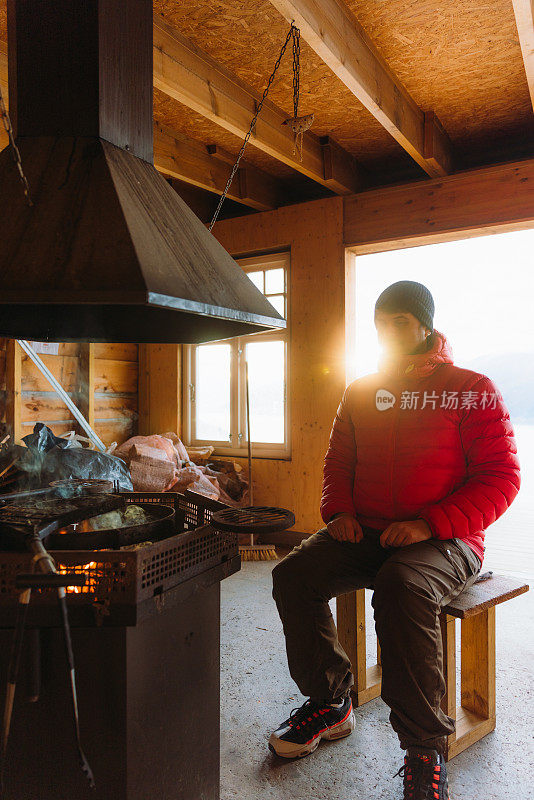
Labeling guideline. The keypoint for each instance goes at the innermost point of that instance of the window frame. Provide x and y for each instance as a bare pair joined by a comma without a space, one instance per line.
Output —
236,445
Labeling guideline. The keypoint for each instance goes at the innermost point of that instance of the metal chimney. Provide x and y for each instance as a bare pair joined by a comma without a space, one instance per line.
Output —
108,251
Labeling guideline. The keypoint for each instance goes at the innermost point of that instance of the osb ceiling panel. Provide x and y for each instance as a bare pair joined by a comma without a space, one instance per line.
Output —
458,57
461,59
246,38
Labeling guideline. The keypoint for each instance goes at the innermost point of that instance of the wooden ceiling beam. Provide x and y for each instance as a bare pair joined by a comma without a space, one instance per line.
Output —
334,34
524,17
192,78
476,202
178,156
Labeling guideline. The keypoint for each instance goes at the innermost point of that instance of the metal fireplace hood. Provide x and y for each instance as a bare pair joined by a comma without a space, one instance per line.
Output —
108,251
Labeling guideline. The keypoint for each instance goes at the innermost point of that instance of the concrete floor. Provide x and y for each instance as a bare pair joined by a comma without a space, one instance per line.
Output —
258,693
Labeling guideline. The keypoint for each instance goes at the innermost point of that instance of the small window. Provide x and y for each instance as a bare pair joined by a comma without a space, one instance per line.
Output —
215,408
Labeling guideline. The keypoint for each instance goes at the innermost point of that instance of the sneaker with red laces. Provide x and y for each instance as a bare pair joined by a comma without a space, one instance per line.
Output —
301,733
425,775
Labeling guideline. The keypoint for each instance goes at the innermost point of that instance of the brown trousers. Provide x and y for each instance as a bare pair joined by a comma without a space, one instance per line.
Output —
410,584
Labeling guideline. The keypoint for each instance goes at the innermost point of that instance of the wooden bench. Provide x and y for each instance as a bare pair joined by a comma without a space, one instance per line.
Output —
475,607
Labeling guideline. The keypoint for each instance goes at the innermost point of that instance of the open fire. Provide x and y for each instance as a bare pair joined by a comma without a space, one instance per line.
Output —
91,579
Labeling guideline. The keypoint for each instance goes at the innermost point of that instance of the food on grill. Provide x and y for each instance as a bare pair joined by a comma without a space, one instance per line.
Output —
120,518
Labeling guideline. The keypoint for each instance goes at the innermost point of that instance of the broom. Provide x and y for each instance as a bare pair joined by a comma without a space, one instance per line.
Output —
253,552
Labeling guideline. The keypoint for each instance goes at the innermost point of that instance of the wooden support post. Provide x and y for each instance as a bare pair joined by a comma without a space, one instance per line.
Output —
475,716
448,701
86,384
160,395
351,633
478,663
14,390
448,637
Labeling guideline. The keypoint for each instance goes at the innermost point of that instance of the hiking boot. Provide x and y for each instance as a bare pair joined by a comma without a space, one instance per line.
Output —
425,775
300,735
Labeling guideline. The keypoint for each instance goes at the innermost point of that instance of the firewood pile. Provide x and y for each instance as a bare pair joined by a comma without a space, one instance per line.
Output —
162,463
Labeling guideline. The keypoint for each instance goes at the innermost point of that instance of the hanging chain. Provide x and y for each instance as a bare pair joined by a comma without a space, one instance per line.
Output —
295,33
16,153
296,70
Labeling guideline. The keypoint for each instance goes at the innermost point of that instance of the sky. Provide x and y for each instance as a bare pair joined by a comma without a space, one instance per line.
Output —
483,290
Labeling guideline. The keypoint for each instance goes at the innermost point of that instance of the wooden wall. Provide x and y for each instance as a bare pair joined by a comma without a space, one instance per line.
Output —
100,378
314,234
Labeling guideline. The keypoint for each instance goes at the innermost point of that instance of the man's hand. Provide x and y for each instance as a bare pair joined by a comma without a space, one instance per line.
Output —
345,528
400,534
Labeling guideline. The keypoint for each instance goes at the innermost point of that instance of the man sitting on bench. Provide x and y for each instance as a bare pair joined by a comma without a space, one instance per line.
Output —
421,460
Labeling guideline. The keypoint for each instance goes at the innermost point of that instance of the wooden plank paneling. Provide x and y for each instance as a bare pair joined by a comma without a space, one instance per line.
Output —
2,369
160,376
110,406
117,352
63,368
115,406
59,428
115,431
86,384
39,406
115,376
13,389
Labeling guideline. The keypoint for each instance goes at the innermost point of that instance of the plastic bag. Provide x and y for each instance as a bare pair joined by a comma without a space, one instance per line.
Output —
76,462
42,439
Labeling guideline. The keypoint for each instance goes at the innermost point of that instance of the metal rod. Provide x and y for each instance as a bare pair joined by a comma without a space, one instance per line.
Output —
41,366
43,562
249,447
84,764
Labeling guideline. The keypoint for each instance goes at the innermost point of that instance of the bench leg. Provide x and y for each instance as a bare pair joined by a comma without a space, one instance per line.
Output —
351,635
475,717
448,701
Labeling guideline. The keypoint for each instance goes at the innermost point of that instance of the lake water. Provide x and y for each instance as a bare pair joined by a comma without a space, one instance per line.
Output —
510,540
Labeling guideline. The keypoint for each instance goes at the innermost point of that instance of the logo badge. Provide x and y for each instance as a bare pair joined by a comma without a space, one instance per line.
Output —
384,399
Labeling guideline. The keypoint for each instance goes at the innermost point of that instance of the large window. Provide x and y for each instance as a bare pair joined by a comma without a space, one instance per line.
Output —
215,408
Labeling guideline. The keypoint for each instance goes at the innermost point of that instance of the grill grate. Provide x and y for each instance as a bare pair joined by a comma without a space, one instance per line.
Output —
63,510
131,576
126,576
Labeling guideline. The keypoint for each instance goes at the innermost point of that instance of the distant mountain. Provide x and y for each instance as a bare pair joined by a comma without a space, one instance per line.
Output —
513,374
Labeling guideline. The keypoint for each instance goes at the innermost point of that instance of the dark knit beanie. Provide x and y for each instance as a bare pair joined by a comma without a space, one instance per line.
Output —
408,296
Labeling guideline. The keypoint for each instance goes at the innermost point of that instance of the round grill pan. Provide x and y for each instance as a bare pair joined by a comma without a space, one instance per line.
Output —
252,519
161,525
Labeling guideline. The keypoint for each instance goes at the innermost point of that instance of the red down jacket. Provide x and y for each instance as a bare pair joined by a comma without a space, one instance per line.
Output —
422,439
